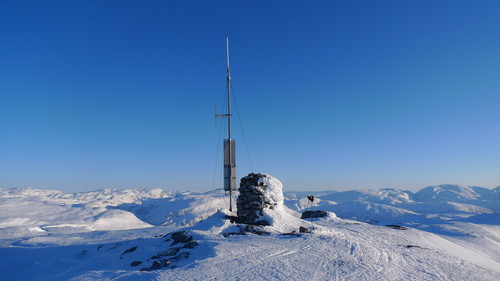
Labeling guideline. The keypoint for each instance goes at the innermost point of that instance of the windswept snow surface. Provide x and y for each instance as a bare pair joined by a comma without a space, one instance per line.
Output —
445,232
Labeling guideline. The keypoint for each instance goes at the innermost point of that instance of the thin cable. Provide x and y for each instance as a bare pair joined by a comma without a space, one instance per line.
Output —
217,157
210,203
242,131
217,154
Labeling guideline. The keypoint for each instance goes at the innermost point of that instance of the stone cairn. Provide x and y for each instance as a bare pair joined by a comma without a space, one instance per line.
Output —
253,199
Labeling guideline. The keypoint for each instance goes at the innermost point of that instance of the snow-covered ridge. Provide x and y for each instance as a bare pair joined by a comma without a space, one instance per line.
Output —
453,200
438,193
29,192
111,196
26,210
158,207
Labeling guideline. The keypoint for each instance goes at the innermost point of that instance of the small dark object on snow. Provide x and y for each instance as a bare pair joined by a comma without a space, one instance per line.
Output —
395,226
305,230
135,263
413,246
301,231
241,220
293,233
313,214
311,198
227,234
339,263
130,250
243,230
258,231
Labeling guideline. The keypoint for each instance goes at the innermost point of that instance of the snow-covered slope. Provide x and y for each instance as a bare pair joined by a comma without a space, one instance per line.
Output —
24,211
445,232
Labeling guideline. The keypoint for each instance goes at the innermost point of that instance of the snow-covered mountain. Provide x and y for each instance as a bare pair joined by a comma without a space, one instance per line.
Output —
443,202
444,232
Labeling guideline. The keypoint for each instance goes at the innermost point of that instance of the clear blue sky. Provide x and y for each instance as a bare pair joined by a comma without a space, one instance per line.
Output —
332,94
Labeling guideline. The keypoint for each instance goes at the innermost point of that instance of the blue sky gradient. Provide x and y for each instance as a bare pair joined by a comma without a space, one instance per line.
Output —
332,94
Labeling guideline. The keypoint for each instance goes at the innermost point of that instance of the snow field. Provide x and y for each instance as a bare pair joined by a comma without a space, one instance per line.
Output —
453,234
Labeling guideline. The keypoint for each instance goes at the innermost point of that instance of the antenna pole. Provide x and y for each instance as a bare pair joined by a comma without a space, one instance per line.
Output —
229,144
229,124
228,91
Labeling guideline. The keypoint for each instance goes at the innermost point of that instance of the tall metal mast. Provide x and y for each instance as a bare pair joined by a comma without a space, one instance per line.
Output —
229,144
228,92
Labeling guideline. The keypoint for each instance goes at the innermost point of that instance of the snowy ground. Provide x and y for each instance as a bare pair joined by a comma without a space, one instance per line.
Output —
446,232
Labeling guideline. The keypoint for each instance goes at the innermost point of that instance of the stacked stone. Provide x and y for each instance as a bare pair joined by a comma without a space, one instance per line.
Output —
253,199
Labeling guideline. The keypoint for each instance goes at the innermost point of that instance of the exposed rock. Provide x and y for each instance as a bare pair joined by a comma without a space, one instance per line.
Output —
135,263
160,264
180,237
129,250
183,255
166,258
313,214
245,229
305,229
293,233
299,233
395,226
166,253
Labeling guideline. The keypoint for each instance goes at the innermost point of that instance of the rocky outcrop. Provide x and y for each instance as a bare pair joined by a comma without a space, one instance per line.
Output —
180,242
313,214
